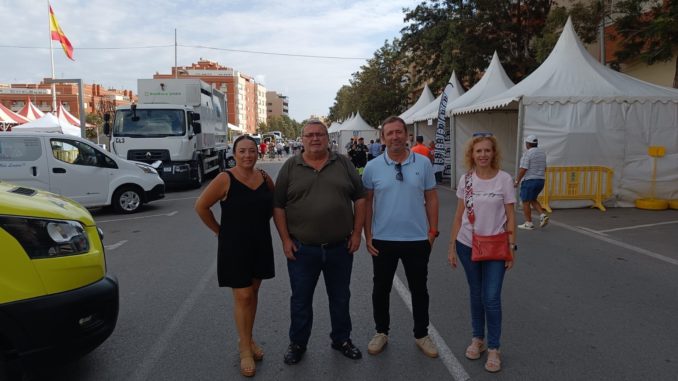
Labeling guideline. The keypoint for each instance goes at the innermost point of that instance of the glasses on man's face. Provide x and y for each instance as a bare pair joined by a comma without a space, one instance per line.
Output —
399,172
312,135
482,134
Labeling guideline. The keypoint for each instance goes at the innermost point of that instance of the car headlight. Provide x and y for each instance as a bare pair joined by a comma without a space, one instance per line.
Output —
45,238
147,169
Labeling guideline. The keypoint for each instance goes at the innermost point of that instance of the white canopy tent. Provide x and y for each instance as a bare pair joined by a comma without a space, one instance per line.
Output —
586,114
425,98
354,127
429,113
48,123
494,81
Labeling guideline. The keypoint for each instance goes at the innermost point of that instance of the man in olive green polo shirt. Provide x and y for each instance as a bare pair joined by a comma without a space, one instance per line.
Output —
319,210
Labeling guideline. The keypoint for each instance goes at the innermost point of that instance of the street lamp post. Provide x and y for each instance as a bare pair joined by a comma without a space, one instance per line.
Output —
81,96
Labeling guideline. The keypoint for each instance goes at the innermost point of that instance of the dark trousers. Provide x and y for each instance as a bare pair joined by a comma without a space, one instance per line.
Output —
336,264
414,255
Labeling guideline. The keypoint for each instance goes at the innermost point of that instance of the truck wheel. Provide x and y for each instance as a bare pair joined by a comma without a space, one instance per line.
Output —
127,199
197,183
230,162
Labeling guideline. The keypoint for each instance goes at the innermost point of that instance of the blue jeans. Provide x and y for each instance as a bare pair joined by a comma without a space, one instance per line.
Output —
336,264
484,280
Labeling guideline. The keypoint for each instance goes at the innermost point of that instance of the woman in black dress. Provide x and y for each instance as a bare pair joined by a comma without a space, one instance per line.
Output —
245,254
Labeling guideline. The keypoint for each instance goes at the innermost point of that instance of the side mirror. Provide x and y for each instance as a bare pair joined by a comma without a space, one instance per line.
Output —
107,128
107,117
197,128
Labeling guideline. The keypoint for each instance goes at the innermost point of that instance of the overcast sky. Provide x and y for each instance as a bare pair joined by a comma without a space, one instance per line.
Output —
339,28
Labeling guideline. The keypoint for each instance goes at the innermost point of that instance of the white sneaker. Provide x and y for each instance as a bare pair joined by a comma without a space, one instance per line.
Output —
377,344
543,220
526,226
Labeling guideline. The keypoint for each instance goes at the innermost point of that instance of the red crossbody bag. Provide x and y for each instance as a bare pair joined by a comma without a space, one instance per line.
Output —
484,247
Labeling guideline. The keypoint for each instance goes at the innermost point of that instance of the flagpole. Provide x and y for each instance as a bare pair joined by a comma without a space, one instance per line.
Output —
176,69
51,57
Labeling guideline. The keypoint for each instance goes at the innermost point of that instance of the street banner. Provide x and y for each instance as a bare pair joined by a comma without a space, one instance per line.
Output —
442,161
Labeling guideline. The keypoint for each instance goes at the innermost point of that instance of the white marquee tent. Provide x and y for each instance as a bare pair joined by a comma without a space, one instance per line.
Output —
425,98
430,111
48,123
354,127
586,114
494,81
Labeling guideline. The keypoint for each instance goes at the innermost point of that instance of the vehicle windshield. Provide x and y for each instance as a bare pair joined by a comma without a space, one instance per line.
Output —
151,123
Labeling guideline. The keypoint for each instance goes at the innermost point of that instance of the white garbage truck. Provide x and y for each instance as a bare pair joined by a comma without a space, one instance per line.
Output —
179,122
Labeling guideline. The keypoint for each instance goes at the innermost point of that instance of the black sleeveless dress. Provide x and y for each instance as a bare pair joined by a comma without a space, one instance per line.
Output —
245,249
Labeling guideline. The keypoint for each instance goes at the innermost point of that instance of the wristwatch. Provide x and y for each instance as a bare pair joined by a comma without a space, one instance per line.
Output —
513,246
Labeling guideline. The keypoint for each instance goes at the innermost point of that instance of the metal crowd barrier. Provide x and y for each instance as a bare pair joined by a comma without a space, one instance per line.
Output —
591,182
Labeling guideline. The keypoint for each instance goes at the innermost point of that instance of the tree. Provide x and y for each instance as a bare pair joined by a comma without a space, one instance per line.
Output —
462,35
647,30
586,20
376,90
289,127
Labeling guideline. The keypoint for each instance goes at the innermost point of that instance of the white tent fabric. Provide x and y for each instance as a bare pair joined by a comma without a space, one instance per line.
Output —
9,118
48,123
354,127
425,98
587,114
233,127
30,111
430,111
494,81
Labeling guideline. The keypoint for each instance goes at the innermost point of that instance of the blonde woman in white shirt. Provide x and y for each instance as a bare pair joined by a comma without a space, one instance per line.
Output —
493,202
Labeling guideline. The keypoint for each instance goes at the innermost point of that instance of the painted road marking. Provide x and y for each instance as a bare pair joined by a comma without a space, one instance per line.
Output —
176,199
170,214
451,363
115,245
609,240
638,226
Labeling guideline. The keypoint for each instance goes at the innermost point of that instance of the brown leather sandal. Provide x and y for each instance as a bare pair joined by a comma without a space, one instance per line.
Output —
476,348
247,366
257,352
493,364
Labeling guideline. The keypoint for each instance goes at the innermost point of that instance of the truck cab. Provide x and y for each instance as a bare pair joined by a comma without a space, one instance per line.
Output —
181,122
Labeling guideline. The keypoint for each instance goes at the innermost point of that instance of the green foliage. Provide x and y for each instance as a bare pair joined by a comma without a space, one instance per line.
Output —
288,126
648,30
376,91
462,35
586,20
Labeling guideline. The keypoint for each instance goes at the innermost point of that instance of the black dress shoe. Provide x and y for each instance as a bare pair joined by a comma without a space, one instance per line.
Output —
294,353
348,349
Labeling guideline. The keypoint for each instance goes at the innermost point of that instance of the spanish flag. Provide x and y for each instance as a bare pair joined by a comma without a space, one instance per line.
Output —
58,34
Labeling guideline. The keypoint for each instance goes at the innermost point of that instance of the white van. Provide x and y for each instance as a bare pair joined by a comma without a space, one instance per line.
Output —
78,169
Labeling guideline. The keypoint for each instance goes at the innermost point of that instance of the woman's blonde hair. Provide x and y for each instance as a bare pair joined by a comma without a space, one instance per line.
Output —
468,151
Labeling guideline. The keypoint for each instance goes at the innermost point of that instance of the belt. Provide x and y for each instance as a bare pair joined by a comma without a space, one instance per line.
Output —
325,245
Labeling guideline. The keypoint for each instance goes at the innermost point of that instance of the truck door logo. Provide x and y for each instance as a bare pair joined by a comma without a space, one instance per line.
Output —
120,140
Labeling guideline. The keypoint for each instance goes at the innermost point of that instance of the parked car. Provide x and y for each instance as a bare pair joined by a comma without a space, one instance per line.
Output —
57,301
78,169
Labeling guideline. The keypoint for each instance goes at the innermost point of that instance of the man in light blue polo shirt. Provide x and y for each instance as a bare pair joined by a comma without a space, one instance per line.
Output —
401,223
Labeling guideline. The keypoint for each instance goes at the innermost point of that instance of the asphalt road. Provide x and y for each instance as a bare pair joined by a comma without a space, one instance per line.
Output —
593,296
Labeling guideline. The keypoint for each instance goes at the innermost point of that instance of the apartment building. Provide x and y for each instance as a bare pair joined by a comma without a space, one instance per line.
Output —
276,104
96,98
244,96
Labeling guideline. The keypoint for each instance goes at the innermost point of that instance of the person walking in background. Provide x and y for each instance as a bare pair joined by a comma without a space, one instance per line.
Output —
319,210
492,198
401,224
358,154
421,149
531,178
245,251
374,149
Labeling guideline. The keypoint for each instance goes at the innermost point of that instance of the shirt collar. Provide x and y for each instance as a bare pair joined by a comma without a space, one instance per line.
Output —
299,159
410,158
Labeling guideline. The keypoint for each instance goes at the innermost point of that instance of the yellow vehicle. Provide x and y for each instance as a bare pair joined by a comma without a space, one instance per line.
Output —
56,300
